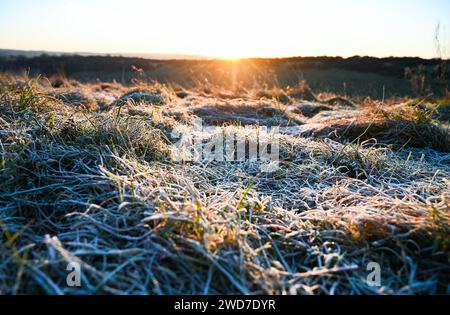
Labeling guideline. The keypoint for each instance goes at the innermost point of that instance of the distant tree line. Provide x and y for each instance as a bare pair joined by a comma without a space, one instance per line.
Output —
49,65
69,65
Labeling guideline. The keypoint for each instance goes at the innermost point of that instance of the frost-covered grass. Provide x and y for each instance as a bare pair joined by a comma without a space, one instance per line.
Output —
97,187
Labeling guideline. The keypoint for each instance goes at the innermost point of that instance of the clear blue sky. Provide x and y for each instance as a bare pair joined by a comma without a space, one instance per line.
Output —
228,28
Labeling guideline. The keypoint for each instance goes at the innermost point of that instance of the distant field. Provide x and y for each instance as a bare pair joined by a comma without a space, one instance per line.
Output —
356,76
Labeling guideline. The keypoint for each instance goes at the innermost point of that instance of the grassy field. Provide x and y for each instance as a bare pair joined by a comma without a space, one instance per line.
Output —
86,178
355,77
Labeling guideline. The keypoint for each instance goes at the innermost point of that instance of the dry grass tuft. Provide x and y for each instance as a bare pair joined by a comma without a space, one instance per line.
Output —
401,126
245,112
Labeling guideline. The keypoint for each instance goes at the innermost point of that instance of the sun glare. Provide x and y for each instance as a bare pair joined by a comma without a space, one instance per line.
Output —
236,29
227,29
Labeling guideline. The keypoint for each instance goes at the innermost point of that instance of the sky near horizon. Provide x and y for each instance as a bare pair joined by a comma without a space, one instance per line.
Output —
228,28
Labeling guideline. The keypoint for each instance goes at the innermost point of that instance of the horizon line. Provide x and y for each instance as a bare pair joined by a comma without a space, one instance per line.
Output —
182,56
